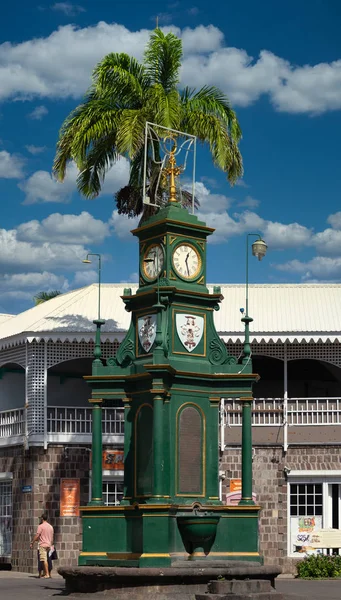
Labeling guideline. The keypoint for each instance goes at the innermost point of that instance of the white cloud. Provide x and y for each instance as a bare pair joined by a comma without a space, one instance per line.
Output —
319,268
249,202
116,178
41,186
18,256
85,277
193,12
11,165
70,10
241,183
69,229
16,295
335,220
122,225
35,149
209,202
38,113
279,236
202,39
60,66
24,286
43,281
233,71
226,226
327,242
293,89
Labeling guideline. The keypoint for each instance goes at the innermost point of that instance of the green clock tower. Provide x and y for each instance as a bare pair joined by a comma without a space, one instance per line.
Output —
170,372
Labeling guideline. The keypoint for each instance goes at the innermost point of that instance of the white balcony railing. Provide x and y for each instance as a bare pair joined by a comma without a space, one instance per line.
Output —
314,411
63,424
12,423
72,420
274,412
265,412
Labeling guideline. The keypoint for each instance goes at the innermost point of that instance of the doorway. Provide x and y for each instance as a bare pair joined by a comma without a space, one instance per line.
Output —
6,519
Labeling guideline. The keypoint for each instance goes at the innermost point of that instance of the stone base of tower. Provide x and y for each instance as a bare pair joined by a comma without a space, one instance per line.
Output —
172,583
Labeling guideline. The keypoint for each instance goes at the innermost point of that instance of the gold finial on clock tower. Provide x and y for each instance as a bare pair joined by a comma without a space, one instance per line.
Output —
172,170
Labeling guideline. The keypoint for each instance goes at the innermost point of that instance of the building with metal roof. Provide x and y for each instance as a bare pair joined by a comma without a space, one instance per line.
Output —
281,313
45,417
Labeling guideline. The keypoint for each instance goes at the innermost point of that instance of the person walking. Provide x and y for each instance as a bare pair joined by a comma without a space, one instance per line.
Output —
44,537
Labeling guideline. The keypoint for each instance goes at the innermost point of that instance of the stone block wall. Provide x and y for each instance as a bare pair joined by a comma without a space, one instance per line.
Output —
43,470
16,460
49,468
270,486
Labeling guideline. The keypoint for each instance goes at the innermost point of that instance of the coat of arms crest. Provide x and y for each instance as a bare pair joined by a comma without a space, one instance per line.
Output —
190,329
147,331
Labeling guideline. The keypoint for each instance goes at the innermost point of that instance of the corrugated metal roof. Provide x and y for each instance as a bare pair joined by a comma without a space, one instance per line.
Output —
282,312
289,312
5,317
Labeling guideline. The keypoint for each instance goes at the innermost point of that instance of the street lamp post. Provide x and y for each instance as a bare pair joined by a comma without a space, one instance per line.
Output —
97,445
98,322
259,248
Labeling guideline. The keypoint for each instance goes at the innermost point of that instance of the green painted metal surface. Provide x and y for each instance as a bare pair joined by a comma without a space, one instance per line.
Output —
171,371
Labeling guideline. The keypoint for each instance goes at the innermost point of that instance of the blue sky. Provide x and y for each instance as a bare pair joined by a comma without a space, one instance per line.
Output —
280,65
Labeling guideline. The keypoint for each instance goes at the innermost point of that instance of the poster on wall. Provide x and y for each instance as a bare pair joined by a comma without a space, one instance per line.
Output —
302,533
113,460
69,497
234,495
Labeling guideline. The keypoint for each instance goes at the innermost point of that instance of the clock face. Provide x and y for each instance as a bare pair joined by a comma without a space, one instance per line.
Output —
187,261
152,262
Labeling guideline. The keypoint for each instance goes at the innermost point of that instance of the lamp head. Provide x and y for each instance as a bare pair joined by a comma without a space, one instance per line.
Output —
259,249
86,261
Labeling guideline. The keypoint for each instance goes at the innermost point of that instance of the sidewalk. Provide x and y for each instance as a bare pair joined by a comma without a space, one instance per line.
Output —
25,586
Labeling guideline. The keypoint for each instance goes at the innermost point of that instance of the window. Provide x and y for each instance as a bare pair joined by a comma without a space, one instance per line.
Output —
314,503
112,492
5,518
306,499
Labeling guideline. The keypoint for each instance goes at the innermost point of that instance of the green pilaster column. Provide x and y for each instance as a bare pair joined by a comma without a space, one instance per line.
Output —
96,467
246,498
128,459
158,446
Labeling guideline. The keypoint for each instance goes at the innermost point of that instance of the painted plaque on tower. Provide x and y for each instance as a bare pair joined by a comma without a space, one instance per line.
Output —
190,330
147,331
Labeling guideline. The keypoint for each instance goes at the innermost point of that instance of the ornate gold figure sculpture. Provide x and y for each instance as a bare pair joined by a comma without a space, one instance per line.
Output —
172,170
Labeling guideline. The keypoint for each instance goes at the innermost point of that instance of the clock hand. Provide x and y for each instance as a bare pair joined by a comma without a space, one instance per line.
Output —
186,263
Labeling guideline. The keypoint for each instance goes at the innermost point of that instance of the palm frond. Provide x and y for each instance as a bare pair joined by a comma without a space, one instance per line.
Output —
224,150
212,101
165,107
99,159
129,201
100,122
162,59
110,123
45,296
124,77
130,132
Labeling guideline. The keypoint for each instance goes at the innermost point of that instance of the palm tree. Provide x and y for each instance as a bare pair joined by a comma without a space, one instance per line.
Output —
124,95
44,296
